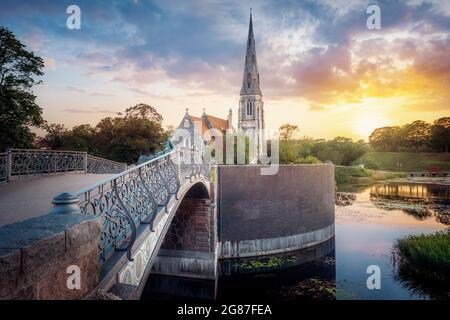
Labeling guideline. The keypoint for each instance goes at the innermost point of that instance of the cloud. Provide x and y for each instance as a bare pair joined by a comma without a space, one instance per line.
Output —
316,107
88,111
49,64
320,51
91,93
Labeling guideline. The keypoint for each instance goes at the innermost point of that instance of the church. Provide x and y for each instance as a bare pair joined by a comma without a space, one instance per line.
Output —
201,130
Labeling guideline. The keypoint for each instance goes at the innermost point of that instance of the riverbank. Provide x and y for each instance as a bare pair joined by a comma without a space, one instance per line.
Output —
405,161
361,175
426,180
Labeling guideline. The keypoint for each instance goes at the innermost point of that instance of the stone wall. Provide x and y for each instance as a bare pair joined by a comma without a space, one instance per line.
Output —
265,214
35,255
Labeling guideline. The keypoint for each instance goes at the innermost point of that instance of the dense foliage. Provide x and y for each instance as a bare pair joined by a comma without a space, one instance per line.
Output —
122,138
418,136
18,109
340,150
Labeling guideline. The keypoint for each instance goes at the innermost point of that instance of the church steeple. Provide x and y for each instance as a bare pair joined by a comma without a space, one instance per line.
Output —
251,104
250,82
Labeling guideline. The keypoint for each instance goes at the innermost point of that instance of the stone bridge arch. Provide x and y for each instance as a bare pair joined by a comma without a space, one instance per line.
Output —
183,243
191,228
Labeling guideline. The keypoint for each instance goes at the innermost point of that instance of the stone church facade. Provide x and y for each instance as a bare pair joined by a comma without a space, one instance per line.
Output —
199,131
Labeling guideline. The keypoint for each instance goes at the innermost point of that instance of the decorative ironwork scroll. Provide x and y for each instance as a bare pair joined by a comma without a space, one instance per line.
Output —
100,165
3,167
136,196
18,163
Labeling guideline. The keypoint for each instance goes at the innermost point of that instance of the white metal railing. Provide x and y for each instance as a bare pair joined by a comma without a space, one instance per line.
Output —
19,163
131,198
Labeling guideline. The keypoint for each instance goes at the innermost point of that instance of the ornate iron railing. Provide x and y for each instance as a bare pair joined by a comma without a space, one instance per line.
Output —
3,166
18,163
100,165
133,197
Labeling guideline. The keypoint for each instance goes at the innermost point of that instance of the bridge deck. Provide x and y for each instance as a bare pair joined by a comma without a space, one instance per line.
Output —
31,197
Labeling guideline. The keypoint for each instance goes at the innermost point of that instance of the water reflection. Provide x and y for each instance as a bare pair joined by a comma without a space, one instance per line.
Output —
367,229
307,274
304,274
421,201
416,193
419,282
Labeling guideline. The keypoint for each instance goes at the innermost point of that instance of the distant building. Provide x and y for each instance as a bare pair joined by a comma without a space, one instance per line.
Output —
200,131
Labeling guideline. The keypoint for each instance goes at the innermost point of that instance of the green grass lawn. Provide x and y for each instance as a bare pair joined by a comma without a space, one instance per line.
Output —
356,174
409,161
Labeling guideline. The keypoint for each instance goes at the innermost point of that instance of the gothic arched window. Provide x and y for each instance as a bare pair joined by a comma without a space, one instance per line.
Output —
249,108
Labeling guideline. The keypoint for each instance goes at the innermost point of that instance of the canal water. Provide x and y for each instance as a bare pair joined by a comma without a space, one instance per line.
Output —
367,228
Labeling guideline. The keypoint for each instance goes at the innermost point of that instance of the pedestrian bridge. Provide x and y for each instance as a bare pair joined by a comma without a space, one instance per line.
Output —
127,213
68,216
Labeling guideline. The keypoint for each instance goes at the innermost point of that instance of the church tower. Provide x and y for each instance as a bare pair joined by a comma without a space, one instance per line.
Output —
251,110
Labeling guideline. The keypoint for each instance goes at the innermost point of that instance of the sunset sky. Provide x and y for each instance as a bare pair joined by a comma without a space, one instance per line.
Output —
321,68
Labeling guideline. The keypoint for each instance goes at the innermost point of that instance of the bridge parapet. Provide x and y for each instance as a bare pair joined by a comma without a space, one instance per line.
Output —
38,255
19,163
132,198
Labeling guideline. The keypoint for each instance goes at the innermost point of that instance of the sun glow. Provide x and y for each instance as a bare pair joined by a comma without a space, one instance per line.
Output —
365,125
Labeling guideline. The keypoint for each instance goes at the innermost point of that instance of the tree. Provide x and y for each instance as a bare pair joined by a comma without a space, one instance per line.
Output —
416,135
55,138
80,138
18,109
288,132
122,138
143,111
125,137
440,134
386,138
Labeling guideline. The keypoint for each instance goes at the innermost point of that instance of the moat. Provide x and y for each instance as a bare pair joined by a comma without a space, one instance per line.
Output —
366,229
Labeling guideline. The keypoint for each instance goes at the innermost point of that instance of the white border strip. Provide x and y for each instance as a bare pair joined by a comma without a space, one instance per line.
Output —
259,247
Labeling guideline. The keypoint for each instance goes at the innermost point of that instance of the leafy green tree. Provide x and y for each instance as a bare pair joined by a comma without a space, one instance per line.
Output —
440,134
81,138
125,137
18,109
288,132
386,138
288,152
416,135
324,151
55,137
122,138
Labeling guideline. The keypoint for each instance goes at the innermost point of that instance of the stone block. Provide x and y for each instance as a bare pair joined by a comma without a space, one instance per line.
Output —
34,255
10,267
54,285
43,254
26,293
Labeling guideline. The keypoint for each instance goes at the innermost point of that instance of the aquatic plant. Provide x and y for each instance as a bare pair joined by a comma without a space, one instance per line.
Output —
313,288
267,263
423,264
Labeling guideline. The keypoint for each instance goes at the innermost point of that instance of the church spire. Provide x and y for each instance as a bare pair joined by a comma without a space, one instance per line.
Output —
250,82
